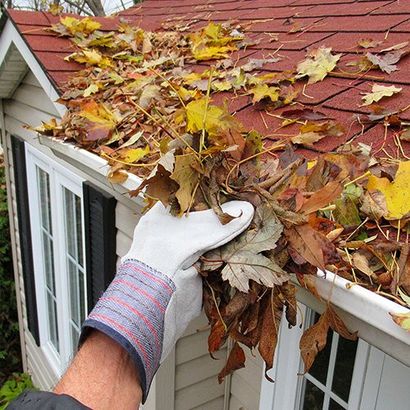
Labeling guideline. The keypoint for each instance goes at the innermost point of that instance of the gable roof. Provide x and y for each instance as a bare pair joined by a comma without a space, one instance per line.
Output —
286,29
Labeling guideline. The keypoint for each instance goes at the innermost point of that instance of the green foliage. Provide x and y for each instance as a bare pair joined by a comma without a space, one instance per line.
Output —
10,355
13,387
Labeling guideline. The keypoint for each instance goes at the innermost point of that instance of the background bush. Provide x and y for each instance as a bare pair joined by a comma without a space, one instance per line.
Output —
10,354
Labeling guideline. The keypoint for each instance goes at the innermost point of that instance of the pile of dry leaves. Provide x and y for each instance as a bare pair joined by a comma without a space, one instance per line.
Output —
144,104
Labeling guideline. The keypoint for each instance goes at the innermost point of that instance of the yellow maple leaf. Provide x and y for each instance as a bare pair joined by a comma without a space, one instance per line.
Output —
85,26
397,193
90,57
213,30
186,176
202,52
132,155
262,91
378,92
98,113
201,114
318,64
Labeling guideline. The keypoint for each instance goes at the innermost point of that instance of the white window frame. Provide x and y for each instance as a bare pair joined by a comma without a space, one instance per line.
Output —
59,177
286,393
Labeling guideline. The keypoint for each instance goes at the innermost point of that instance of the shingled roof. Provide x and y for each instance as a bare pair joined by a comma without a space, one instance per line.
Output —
286,29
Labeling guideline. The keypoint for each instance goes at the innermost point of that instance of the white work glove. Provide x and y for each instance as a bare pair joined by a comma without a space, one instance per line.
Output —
157,291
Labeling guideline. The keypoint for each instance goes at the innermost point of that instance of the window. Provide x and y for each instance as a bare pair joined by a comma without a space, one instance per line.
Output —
56,216
336,380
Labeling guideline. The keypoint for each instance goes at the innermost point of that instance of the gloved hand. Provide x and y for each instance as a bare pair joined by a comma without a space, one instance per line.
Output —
156,291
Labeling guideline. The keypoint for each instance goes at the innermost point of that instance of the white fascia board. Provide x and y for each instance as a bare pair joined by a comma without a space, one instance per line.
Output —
9,36
363,311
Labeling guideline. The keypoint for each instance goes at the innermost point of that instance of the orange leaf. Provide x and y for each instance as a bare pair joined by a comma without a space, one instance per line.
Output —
322,197
313,341
236,360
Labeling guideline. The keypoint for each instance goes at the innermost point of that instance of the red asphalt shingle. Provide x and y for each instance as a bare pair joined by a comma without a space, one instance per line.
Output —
284,28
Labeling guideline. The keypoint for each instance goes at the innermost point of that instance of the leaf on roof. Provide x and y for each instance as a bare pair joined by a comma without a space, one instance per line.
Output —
368,43
262,91
203,115
90,57
304,114
379,92
101,120
258,63
91,89
397,193
312,132
386,62
71,26
398,46
213,42
318,64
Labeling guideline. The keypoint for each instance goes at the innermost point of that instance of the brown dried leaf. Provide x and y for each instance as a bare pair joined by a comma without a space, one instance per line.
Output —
337,324
322,197
314,340
269,335
236,360
314,247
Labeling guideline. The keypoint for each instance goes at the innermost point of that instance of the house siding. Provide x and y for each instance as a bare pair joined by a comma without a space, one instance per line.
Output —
246,383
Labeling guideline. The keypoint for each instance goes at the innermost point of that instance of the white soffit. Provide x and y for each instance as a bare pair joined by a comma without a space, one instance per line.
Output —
16,59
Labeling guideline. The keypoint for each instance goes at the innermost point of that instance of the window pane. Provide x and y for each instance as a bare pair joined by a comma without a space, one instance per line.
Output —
44,194
74,289
79,230
345,358
52,321
75,335
81,280
313,397
70,223
321,363
335,406
48,260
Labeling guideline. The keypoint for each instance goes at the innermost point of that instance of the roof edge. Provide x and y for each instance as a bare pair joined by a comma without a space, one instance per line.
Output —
9,37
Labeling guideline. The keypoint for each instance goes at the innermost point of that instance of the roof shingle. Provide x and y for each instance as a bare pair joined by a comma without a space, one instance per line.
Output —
284,28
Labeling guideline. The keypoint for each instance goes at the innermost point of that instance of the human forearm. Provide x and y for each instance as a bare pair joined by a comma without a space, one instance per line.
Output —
102,376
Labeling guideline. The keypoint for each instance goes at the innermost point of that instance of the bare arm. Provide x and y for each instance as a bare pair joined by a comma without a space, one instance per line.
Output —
102,376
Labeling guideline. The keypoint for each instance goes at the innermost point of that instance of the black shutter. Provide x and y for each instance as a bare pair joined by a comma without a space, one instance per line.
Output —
100,240
23,214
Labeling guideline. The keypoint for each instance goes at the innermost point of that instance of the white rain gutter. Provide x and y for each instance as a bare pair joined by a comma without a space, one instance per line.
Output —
362,310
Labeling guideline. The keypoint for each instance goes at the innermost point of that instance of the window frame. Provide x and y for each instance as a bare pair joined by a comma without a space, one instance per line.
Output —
59,177
287,391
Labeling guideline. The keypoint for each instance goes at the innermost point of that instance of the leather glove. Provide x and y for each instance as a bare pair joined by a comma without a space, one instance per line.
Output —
156,291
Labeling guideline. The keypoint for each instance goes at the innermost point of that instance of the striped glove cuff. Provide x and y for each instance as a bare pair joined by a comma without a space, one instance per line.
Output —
131,312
